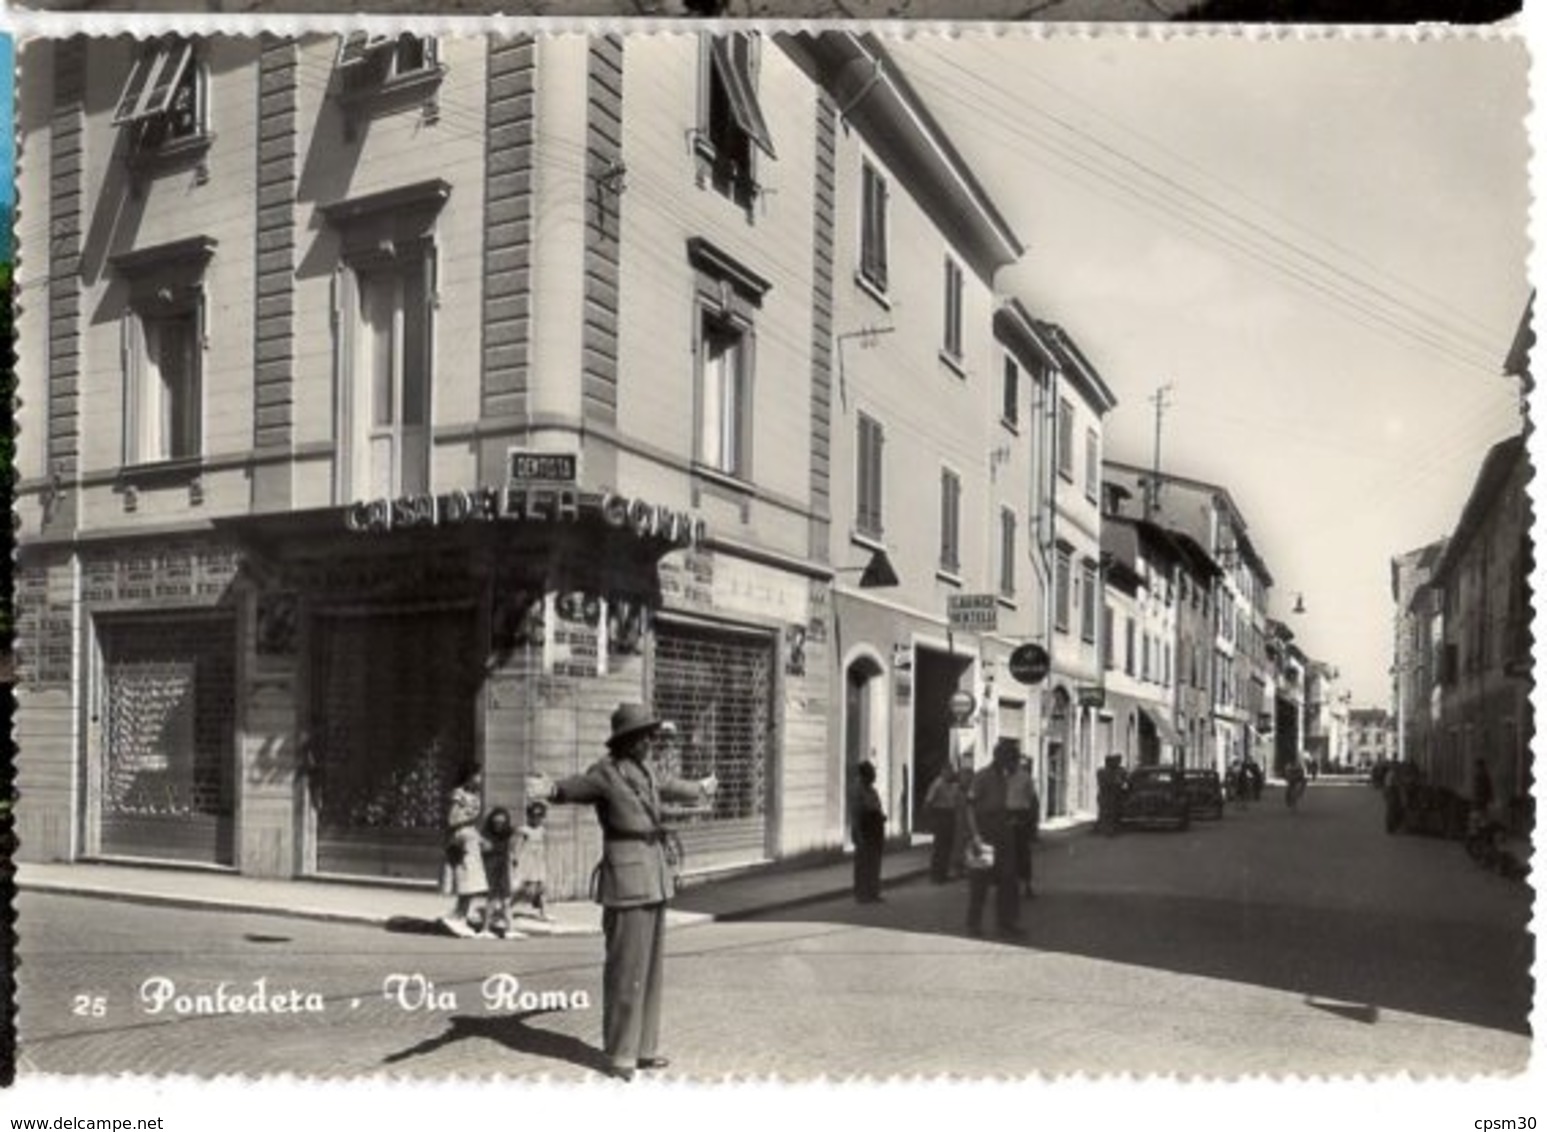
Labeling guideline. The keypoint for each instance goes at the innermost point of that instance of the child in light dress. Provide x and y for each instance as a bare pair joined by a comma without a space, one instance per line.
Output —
463,875
530,851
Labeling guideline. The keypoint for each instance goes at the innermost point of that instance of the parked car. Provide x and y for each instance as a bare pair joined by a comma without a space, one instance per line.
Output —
1156,795
1205,792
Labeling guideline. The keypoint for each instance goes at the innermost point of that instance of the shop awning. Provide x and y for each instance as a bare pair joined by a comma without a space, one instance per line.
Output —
1161,718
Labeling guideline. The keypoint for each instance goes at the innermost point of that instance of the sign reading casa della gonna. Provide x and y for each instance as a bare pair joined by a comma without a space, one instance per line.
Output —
529,504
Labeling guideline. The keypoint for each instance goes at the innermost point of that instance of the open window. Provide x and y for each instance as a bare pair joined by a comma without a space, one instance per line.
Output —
164,99
731,125
378,74
366,59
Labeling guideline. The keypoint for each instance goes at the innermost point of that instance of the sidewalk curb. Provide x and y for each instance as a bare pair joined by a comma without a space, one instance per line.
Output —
816,896
288,912
677,917
200,903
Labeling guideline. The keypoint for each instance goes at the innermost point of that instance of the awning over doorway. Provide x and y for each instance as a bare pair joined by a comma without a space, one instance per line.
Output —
1161,718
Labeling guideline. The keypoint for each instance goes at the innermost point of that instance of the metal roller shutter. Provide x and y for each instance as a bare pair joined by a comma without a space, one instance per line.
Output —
169,738
393,725
717,685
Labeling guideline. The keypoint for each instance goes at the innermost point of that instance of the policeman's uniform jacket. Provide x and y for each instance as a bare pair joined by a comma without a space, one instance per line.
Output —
634,870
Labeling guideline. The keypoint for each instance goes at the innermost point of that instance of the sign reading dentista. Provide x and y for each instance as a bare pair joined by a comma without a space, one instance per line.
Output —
526,504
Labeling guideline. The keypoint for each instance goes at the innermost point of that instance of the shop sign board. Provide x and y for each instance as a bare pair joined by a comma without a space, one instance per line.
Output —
974,613
1030,663
529,503
527,465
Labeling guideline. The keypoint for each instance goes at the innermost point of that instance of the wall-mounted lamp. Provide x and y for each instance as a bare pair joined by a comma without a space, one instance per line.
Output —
878,573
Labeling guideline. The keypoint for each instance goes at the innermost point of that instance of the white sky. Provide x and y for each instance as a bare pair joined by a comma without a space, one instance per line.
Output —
1321,245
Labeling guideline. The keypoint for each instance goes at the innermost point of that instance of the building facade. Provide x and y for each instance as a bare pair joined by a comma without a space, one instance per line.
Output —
1417,634
1078,400
1372,737
1240,670
1484,676
409,402
931,438
405,411
1144,670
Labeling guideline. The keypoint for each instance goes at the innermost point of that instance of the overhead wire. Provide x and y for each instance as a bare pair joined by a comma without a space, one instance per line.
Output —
1444,308
1311,276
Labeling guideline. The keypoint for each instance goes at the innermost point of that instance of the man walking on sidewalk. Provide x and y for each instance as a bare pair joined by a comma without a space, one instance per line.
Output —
988,821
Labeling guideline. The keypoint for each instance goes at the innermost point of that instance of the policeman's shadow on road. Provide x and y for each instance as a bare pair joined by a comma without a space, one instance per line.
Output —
512,1032
414,925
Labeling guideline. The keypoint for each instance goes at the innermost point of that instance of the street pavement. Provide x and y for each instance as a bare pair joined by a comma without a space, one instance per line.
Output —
1303,942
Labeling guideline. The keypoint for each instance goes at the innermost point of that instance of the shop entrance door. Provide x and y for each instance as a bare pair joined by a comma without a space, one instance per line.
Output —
393,713
168,737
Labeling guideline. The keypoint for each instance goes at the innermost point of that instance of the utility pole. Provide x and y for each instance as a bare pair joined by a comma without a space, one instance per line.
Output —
1152,496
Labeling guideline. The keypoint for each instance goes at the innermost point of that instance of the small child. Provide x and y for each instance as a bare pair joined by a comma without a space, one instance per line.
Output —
499,865
464,875
530,882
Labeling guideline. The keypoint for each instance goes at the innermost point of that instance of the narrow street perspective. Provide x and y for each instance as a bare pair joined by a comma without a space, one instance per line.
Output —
772,549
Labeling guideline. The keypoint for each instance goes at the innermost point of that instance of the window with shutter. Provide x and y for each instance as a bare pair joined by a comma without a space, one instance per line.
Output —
1066,439
950,520
872,238
731,122
1061,585
1007,552
163,99
868,494
953,310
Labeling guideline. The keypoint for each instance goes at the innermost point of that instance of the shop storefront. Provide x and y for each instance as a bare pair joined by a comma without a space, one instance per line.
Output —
298,693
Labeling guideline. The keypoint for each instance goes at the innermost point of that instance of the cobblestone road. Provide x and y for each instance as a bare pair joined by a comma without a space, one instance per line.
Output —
1272,942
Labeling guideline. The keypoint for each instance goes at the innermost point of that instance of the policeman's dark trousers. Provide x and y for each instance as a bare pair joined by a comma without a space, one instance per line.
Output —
631,982
1003,876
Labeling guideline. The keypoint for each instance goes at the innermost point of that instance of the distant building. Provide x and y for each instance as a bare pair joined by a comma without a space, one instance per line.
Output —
1143,581
1371,736
1239,666
1416,633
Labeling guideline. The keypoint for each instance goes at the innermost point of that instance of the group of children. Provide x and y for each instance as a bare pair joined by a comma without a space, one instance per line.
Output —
489,859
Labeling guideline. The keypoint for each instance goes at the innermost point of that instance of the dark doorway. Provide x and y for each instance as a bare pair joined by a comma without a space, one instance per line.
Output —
936,676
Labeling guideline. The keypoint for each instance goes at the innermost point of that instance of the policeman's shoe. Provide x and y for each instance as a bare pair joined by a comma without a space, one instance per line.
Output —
653,1062
620,1072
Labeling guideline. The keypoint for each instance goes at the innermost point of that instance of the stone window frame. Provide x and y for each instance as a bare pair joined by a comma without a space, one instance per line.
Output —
392,229
727,298
162,281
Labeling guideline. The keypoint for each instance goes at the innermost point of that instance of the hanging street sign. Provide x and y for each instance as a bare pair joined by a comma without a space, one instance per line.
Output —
1030,663
974,613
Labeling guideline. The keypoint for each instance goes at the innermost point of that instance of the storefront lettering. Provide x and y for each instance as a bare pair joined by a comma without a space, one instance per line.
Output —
525,504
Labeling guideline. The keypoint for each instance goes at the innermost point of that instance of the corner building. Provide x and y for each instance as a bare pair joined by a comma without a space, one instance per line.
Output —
396,404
